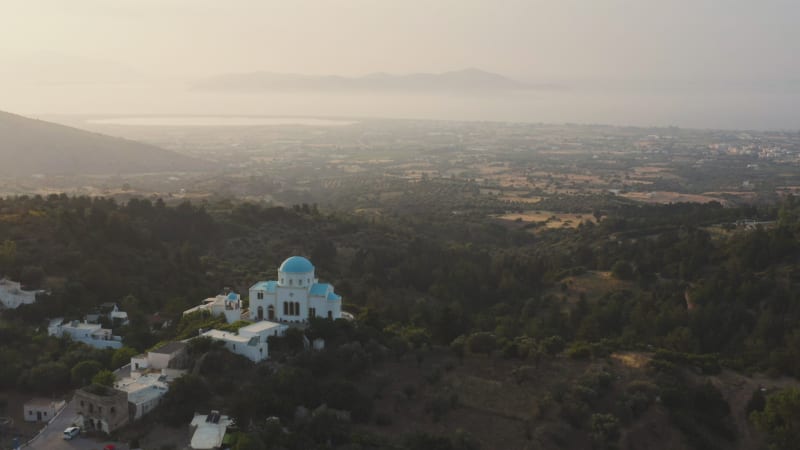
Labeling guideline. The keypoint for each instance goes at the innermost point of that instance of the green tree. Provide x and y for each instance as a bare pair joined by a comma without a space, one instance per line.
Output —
122,356
482,342
780,419
294,339
31,277
457,347
8,255
83,372
605,430
186,395
104,378
622,270
49,377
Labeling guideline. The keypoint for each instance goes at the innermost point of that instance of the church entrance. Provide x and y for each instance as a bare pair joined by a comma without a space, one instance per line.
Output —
260,311
271,312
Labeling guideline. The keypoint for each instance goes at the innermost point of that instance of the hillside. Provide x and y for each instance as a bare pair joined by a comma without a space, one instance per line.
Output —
29,146
468,334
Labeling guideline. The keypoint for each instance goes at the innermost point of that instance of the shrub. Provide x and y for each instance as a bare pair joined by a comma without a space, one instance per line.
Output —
579,350
605,430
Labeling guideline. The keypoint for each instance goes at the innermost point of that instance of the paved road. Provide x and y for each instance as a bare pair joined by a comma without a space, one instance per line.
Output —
52,437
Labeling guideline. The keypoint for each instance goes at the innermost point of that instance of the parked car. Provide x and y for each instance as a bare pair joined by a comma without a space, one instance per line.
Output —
71,433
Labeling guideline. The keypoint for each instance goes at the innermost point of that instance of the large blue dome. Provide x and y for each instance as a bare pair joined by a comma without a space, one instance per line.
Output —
296,264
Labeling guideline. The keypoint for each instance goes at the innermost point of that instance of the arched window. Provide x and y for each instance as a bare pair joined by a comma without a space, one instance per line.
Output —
291,282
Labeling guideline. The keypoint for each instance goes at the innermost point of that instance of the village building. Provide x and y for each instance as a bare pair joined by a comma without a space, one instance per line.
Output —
150,375
12,295
209,430
88,333
41,409
295,296
173,355
144,392
109,311
250,341
101,408
228,305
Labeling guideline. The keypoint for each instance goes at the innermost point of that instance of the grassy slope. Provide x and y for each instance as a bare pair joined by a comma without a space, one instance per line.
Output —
29,146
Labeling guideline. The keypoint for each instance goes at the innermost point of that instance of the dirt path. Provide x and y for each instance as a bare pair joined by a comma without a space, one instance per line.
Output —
737,390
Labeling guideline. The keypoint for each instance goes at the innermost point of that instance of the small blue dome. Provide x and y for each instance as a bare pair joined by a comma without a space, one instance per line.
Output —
296,264
233,296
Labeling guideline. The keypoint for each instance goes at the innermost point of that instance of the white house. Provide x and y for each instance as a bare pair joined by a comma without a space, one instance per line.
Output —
168,356
228,305
295,296
12,295
249,347
41,410
144,392
88,333
250,341
111,311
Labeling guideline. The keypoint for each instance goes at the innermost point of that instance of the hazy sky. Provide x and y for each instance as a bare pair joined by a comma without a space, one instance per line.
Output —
654,43
651,39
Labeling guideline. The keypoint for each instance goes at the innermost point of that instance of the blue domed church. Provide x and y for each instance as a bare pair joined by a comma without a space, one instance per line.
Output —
295,296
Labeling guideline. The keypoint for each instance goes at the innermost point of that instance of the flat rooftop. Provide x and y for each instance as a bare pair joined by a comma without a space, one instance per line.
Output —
258,327
142,389
42,403
226,336
208,435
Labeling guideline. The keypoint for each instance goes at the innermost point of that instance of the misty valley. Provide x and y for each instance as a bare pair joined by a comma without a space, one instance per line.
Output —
399,225
502,285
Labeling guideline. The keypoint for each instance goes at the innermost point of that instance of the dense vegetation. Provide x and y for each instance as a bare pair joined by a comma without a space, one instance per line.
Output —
696,292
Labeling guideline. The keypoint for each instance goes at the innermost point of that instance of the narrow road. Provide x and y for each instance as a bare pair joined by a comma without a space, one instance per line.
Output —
52,436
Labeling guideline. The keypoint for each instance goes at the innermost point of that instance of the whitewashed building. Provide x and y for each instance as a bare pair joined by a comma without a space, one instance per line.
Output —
171,355
12,295
144,391
250,341
41,409
228,305
88,333
295,296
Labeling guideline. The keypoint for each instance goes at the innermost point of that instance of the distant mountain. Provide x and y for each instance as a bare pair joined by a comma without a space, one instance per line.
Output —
29,146
467,80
